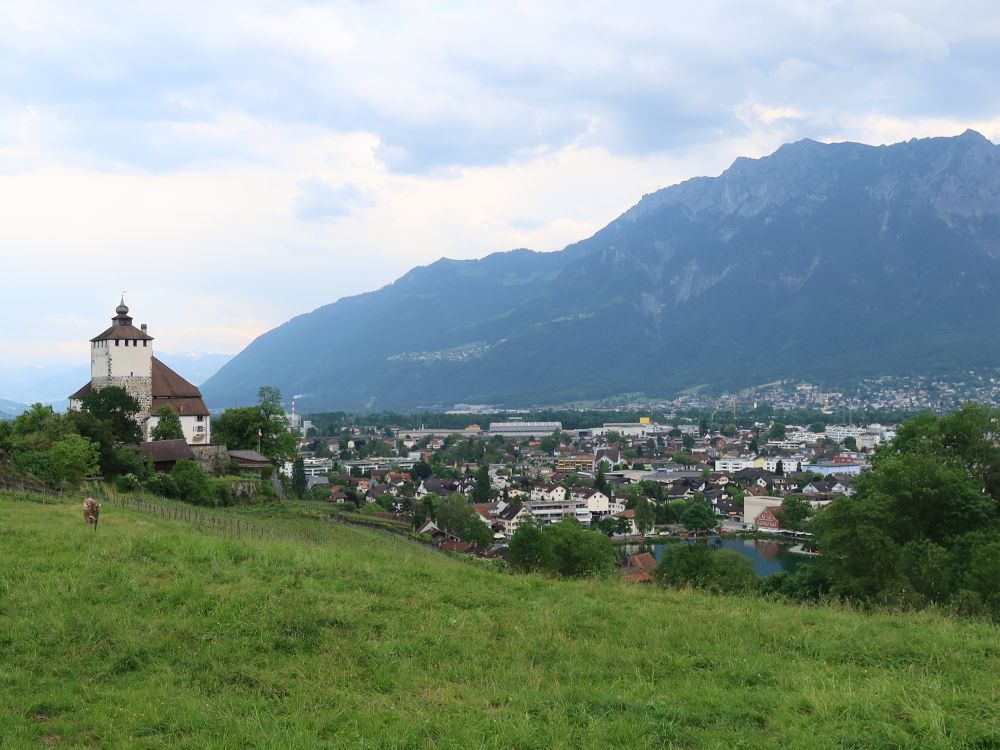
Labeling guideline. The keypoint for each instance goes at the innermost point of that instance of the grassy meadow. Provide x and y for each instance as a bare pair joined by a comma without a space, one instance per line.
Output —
157,633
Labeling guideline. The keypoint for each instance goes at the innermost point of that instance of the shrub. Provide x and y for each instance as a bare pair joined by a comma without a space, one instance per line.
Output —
808,583
163,485
127,483
222,492
703,567
193,485
564,548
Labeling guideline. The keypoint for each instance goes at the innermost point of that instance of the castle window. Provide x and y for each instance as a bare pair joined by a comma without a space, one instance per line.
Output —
117,342
144,343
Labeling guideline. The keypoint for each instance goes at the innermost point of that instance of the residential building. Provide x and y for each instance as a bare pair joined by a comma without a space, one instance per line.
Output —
548,492
609,458
511,517
575,462
733,464
826,468
754,505
314,467
553,511
596,501
789,464
768,519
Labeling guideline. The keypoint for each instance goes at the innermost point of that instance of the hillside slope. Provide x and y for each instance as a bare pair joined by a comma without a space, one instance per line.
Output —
820,261
152,633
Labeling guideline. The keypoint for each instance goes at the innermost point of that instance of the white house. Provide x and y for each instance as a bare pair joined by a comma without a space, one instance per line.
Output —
511,517
548,492
314,467
789,464
596,501
628,515
553,511
733,463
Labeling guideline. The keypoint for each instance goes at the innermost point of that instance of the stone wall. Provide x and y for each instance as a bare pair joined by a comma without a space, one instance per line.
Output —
207,455
139,388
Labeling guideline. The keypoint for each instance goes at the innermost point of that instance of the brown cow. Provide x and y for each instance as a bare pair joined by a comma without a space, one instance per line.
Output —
91,511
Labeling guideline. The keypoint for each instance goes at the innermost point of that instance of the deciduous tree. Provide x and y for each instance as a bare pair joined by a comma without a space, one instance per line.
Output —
116,408
169,425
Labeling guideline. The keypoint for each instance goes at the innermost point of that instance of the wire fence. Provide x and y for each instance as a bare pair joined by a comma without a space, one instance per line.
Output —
33,493
189,514
135,502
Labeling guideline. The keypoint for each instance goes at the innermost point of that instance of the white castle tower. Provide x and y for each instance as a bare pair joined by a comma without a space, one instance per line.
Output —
123,356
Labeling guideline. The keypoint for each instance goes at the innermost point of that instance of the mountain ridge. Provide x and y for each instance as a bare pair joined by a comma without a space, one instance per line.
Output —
714,280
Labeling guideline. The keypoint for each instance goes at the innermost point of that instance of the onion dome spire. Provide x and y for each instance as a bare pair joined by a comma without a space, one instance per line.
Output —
122,317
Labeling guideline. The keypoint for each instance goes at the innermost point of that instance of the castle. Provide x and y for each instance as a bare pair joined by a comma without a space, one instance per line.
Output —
123,356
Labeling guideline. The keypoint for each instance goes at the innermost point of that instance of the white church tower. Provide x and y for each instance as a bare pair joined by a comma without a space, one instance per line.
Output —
123,356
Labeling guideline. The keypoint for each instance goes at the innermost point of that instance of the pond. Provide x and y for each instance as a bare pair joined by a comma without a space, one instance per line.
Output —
768,556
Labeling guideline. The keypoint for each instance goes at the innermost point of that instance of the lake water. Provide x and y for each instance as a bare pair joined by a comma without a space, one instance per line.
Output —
768,556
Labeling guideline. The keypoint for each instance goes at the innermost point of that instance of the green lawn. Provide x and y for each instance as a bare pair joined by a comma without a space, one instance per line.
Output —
154,633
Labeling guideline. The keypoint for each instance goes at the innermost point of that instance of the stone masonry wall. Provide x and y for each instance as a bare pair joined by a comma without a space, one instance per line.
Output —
139,388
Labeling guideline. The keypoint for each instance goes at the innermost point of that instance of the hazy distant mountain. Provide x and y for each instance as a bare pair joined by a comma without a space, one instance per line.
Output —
820,261
195,367
48,385
10,409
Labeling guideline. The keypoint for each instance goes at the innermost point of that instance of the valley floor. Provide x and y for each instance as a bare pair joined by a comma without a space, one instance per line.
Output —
154,633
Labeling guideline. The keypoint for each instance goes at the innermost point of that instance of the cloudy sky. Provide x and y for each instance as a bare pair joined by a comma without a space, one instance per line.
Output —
232,164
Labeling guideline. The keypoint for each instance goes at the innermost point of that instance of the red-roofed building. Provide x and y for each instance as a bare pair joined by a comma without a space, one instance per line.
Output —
768,518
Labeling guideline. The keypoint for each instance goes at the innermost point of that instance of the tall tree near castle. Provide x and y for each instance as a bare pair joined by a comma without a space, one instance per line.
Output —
118,410
239,428
169,425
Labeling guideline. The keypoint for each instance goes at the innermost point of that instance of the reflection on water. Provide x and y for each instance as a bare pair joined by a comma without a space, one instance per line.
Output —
767,548
768,556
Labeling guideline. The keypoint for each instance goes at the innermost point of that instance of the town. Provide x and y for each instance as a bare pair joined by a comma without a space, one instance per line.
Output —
627,479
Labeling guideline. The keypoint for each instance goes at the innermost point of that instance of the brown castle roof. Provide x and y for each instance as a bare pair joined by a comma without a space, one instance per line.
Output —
168,384
123,332
169,389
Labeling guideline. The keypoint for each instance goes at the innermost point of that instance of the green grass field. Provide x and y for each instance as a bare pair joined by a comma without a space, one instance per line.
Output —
155,633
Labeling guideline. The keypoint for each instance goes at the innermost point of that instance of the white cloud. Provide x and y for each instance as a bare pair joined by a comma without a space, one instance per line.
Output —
232,164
